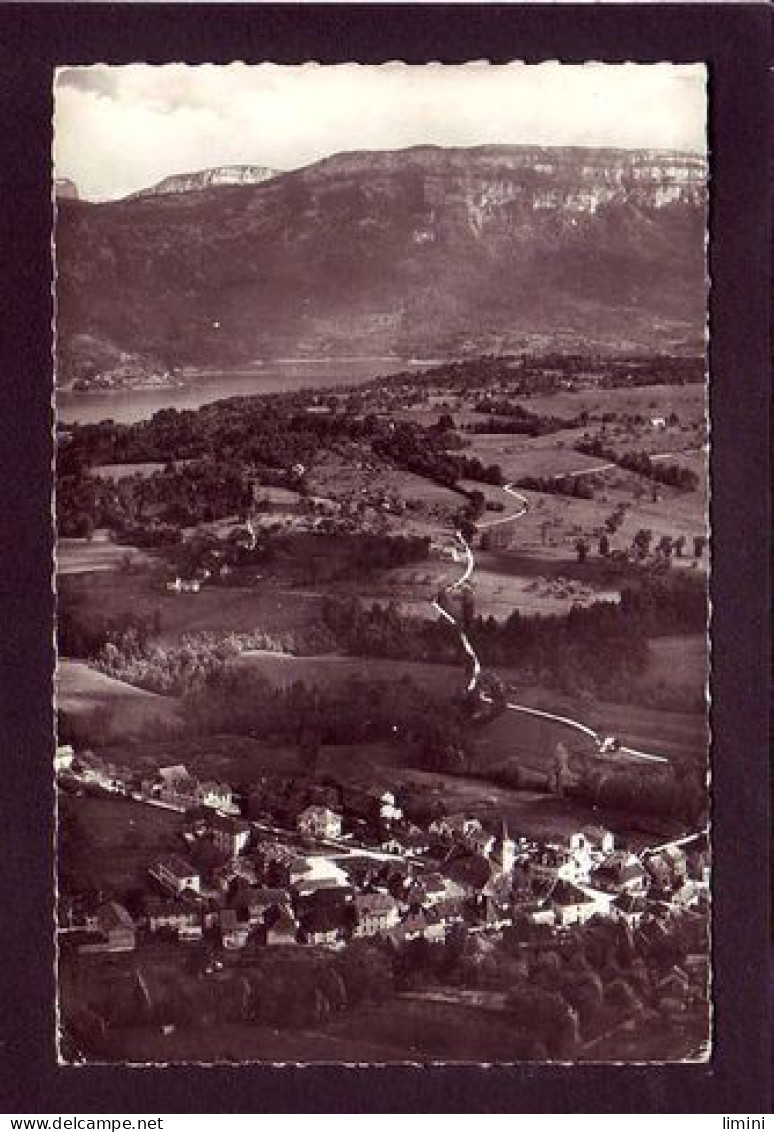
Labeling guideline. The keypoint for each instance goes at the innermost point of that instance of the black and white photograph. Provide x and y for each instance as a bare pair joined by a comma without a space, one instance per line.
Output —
382,560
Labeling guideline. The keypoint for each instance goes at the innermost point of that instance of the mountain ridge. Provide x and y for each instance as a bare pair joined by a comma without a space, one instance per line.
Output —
420,251
211,177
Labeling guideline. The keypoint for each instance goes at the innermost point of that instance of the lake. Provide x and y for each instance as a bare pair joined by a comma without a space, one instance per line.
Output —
279,376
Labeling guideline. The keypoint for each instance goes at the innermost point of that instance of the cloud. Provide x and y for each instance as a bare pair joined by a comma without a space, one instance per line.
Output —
119,129
100,81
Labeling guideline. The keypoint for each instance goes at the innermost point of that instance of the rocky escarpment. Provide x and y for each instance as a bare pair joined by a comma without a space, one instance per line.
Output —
580,179
208,179
423,251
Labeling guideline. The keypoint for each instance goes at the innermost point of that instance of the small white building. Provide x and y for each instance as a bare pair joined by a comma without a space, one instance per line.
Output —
375,912
389,810
215,795
63,758
588,847
456,827
180,585
319,822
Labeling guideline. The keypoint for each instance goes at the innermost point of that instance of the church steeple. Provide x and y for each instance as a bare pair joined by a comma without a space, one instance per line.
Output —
508,850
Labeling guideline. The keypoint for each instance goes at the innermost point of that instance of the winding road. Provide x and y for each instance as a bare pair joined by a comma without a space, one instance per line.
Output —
470,565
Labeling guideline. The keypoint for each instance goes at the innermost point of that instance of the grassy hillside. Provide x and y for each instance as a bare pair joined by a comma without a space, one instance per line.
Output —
107,708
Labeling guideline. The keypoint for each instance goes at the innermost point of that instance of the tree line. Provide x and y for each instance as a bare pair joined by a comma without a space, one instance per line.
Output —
671,475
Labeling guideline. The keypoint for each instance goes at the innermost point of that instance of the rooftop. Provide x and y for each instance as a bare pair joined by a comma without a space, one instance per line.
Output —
565,893
177,866
113,915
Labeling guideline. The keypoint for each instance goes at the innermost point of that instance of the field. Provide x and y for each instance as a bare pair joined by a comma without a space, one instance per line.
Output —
118,840
218,609
520,456
688,401
328,671
406,1030
565,519
121,471
677,670
87,556
502,582
536,572
680,736
336,477
677,735
107,707
370,1035
232,758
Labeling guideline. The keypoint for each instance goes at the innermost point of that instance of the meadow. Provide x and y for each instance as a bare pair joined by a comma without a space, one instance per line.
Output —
97,704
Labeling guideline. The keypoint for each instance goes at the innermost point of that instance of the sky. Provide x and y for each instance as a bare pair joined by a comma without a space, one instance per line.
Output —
120,129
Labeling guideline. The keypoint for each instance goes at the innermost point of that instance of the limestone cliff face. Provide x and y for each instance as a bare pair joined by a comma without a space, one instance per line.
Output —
492,176
417,252
207,179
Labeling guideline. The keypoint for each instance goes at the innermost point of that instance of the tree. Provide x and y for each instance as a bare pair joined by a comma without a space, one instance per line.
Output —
81,525
641,542
477,504
366,972
467,529
468,606
559,773
582,550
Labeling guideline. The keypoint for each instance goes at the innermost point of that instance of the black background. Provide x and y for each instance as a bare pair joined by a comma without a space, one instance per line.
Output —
735,40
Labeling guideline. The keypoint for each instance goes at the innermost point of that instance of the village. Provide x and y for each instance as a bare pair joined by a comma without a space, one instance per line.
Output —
286,850
340,865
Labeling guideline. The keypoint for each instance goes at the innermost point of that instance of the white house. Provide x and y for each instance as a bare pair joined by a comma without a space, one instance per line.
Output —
216,795
183,586
455,826
595,839
552,863
375,912
482,842
63,758
389,810
319,821
589,847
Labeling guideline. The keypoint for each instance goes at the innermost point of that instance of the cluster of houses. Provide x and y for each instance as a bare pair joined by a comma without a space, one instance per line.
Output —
331,873
172,787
